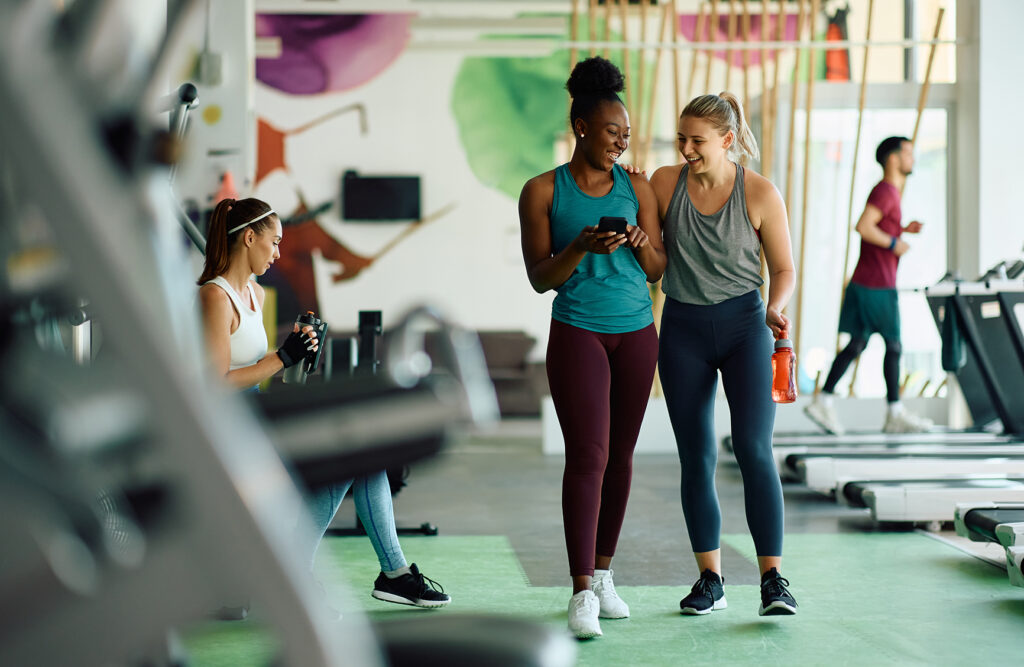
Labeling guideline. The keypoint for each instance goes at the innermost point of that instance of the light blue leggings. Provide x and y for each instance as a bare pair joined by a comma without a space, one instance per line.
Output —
372,494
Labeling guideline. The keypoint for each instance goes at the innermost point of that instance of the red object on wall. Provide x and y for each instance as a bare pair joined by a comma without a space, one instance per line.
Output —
837,61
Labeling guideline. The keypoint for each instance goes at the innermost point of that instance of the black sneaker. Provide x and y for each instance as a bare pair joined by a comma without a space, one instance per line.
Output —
412,589
706,596
775,597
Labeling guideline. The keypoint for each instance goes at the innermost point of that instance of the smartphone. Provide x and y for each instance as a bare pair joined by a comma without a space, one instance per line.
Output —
612,224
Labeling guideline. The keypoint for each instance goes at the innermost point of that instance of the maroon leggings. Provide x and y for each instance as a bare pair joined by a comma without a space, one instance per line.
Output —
600,384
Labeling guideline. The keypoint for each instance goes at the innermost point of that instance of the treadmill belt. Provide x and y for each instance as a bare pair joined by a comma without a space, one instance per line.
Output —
854,491
984,520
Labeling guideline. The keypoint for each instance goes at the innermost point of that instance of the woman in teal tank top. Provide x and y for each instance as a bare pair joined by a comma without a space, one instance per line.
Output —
602,347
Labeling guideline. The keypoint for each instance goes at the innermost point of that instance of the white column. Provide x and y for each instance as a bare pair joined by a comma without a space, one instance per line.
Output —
988,224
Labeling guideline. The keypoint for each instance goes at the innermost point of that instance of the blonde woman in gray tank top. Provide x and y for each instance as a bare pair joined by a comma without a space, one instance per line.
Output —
717,217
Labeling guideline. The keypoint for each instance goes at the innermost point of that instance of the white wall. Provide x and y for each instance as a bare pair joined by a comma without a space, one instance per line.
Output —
989,143
468,262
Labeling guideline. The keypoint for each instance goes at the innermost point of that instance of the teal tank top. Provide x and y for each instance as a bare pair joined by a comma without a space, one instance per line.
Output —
606,293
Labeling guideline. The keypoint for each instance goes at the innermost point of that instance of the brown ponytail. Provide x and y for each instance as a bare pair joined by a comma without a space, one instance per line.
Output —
229,214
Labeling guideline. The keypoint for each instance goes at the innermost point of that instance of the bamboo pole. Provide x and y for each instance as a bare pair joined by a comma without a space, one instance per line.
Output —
641,75
607,27
574,31
623,7
923,99
774,107
764,88
791,153
648,134
805,206
745,32
675,58
698,35
853,175
731,37
712,37
766,156
592,25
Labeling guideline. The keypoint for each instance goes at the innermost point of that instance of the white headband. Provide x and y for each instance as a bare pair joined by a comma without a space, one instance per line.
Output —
246,224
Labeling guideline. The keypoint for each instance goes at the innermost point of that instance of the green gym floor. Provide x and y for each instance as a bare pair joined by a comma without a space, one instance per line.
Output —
867,596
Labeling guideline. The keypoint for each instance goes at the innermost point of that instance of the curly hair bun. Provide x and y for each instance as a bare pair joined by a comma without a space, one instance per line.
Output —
595,76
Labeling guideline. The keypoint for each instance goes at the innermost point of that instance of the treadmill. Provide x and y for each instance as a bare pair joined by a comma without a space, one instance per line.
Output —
989,314
992,319
999,523
926,500
821,470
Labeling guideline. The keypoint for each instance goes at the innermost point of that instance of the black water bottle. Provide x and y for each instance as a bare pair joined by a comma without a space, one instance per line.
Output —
296,374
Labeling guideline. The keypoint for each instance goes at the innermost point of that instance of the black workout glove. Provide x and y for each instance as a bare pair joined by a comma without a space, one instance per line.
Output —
296,347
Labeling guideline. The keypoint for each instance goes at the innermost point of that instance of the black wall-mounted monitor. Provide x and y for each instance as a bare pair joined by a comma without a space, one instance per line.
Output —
376,198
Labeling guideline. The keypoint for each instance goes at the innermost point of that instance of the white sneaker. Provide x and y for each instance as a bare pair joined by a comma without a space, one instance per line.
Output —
612,605
824,416
583,611
906,422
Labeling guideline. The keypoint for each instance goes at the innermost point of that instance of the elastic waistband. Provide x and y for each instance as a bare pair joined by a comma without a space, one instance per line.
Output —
738,305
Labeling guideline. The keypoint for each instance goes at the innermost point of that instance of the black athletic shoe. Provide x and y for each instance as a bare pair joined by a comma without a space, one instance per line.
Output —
775,597
706,596
412,589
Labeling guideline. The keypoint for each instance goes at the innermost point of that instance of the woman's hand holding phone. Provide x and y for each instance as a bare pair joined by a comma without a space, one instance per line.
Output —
605,237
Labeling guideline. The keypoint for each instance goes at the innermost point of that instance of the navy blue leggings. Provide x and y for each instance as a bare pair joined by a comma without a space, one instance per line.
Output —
696,343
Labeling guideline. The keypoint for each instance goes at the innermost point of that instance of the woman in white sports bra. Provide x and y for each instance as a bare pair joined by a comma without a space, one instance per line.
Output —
242,243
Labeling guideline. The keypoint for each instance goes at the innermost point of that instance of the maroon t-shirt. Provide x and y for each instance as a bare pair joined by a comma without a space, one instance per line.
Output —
877,266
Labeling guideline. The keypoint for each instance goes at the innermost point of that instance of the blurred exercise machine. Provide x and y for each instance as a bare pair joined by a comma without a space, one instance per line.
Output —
197,480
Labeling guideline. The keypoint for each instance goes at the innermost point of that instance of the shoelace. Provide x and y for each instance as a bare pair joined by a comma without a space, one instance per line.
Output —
704,587
777,588
605,585
425,580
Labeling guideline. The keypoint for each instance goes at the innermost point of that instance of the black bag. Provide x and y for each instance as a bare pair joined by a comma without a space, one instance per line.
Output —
953,354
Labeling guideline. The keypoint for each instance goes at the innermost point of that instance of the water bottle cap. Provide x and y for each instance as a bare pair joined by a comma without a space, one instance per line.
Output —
783,342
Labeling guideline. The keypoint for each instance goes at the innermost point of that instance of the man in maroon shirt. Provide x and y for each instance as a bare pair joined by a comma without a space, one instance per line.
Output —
871,304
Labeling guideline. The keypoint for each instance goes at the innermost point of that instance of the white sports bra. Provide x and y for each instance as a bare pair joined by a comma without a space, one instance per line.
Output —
249,340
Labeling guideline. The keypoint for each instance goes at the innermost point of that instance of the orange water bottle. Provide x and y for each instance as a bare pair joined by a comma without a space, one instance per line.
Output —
784,371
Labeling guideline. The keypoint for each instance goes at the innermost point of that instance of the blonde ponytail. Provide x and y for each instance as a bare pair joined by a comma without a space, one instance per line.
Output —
725,114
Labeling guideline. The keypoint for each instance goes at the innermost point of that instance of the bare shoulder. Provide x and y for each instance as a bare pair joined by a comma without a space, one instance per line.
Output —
640,182
539,185
212,295
759,189
664,180
216,304
669,173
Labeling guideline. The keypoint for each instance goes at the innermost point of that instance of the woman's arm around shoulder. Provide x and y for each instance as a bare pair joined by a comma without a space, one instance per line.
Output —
645,238
767,213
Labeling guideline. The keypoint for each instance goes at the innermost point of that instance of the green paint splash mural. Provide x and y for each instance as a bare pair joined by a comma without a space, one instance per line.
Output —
510,112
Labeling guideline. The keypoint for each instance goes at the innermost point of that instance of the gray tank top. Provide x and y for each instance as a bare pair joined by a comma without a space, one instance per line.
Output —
711,258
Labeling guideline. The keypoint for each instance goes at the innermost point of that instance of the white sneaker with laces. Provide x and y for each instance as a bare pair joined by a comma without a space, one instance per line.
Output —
612,606
906,422
824,416
583,611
